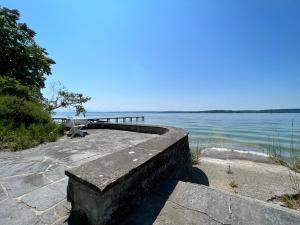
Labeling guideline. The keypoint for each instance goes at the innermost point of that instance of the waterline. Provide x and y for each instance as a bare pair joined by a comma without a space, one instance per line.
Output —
254,132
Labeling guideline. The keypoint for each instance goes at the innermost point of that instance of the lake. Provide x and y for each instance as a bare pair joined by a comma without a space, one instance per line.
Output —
255,132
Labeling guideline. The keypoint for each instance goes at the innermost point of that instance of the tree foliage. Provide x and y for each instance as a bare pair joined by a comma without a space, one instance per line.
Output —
24,66
20,104
62,98
24,113
21,57
21,111
13,87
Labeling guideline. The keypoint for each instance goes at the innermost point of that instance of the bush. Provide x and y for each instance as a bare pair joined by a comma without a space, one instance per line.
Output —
13,87
24,137
21,111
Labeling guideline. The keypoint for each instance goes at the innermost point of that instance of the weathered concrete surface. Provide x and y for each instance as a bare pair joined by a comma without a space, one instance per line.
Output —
33,184
186,203
256,176
102,191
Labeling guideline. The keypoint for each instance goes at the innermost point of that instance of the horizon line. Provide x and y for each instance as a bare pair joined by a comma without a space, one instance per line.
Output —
280,110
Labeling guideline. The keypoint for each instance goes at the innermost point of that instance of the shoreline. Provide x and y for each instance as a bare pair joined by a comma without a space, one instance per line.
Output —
227,154
249,175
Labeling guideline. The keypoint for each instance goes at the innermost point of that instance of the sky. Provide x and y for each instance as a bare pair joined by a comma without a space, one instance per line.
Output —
169,54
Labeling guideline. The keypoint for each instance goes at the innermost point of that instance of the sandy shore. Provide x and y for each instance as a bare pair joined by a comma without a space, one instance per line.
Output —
254,176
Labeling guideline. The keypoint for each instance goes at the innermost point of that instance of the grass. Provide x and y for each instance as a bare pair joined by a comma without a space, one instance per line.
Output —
289,201
22,137
233,184
196,155
229,171
290,159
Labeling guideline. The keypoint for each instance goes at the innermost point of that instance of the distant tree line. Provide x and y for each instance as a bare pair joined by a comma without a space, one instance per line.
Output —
239,111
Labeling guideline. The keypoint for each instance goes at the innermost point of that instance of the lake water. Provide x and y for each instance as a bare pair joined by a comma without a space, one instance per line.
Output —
256,132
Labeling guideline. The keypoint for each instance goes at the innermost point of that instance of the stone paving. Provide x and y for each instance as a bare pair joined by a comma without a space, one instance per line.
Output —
183,203
33,183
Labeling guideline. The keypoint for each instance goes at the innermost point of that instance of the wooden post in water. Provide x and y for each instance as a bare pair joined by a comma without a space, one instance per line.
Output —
117,120
124,119
130,119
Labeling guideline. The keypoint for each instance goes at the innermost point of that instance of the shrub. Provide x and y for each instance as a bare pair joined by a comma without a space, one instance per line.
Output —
196,155
19,111
24,137
13,87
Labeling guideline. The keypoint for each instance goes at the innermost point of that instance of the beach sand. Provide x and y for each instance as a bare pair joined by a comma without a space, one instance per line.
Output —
247,174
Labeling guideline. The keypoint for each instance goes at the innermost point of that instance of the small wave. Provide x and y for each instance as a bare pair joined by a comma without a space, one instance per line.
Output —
239,151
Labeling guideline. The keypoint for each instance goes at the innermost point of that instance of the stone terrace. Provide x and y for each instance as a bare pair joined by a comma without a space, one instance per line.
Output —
33,183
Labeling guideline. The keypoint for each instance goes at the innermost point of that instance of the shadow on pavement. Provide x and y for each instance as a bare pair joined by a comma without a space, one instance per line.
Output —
197,176
147,211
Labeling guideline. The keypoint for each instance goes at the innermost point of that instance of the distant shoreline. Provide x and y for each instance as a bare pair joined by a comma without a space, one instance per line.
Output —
212,111
239,111
203,111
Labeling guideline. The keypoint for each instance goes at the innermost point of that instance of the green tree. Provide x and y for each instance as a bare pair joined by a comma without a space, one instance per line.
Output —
21,57
24,66
17,111
20,104
62,98
24,113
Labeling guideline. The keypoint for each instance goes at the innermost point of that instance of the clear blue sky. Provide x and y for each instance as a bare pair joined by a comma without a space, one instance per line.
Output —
172,55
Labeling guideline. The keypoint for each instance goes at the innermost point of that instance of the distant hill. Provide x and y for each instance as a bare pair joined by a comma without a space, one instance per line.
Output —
240,111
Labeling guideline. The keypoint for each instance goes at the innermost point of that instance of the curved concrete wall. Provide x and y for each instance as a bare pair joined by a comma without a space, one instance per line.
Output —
132,127
104,190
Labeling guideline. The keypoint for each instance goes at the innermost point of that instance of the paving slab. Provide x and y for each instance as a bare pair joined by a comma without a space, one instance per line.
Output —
13,212
57,212
47,196
56,173
20,185
24,166
186,203
33,184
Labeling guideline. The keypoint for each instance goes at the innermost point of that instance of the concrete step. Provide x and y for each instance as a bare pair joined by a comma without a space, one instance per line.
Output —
178,203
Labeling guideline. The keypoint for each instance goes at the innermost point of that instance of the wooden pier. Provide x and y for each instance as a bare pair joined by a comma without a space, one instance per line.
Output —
123,119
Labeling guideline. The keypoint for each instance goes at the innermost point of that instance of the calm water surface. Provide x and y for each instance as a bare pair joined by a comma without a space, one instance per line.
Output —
246,132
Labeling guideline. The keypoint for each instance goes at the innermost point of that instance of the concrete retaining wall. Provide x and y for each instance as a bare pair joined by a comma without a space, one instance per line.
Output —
104,190
129,127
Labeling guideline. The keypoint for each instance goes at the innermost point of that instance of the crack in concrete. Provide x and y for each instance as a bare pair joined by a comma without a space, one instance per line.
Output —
5,192
33,208
44,175
229,208
195,210
39,212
